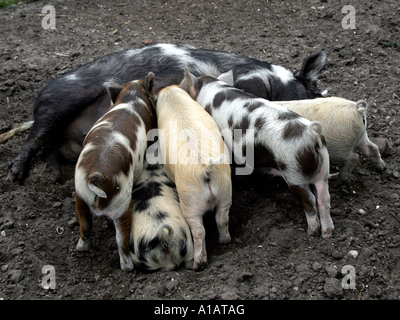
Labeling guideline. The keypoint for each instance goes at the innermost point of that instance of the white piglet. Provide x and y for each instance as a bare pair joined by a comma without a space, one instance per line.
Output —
197,160
344,126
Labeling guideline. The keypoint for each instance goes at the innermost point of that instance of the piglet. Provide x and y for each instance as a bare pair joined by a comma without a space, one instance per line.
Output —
281,141
160,237
110,162
197,160
344,126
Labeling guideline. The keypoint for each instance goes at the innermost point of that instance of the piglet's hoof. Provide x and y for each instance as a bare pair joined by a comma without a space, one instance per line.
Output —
313,233
313,228
83,245
199,266
380,165
327,233
126,265
189,264
224,240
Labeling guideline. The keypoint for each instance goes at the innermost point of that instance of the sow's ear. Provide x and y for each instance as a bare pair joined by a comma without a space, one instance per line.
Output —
190,84
312,66
227,77
113,90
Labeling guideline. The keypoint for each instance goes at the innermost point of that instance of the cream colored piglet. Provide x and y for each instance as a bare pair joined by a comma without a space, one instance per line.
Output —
197,160
344,126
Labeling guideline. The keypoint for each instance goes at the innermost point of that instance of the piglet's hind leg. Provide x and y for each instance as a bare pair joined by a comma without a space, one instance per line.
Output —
371,150
222,220
195,221
122,235
85,224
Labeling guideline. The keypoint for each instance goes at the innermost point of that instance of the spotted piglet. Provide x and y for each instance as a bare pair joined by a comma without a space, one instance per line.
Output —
197,160
285,143
110,162
160,237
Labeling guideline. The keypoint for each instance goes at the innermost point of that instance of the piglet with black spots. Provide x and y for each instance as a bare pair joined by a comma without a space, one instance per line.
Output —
284,143
111,161
160,237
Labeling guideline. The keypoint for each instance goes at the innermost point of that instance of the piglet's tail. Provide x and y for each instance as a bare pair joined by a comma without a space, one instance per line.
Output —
362,107
95,184
315,131
210,167
165,235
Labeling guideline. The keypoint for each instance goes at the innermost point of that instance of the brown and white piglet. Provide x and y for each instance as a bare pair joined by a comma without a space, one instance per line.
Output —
111,161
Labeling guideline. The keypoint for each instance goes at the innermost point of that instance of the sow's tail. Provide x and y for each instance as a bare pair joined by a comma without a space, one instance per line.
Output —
11,133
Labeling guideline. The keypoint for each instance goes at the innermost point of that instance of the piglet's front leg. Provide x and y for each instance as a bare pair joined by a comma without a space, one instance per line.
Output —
222,220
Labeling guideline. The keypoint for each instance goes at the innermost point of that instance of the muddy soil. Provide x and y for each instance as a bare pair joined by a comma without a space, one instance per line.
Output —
271,256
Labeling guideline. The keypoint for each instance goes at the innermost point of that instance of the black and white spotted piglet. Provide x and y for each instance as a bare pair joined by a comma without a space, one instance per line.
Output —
285,143
160,237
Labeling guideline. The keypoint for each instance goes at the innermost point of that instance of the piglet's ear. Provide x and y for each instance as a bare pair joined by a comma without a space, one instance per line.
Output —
189,84
113,90
148,83
148,86
227,77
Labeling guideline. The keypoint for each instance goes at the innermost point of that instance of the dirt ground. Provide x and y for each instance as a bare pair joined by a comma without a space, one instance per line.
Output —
271,256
